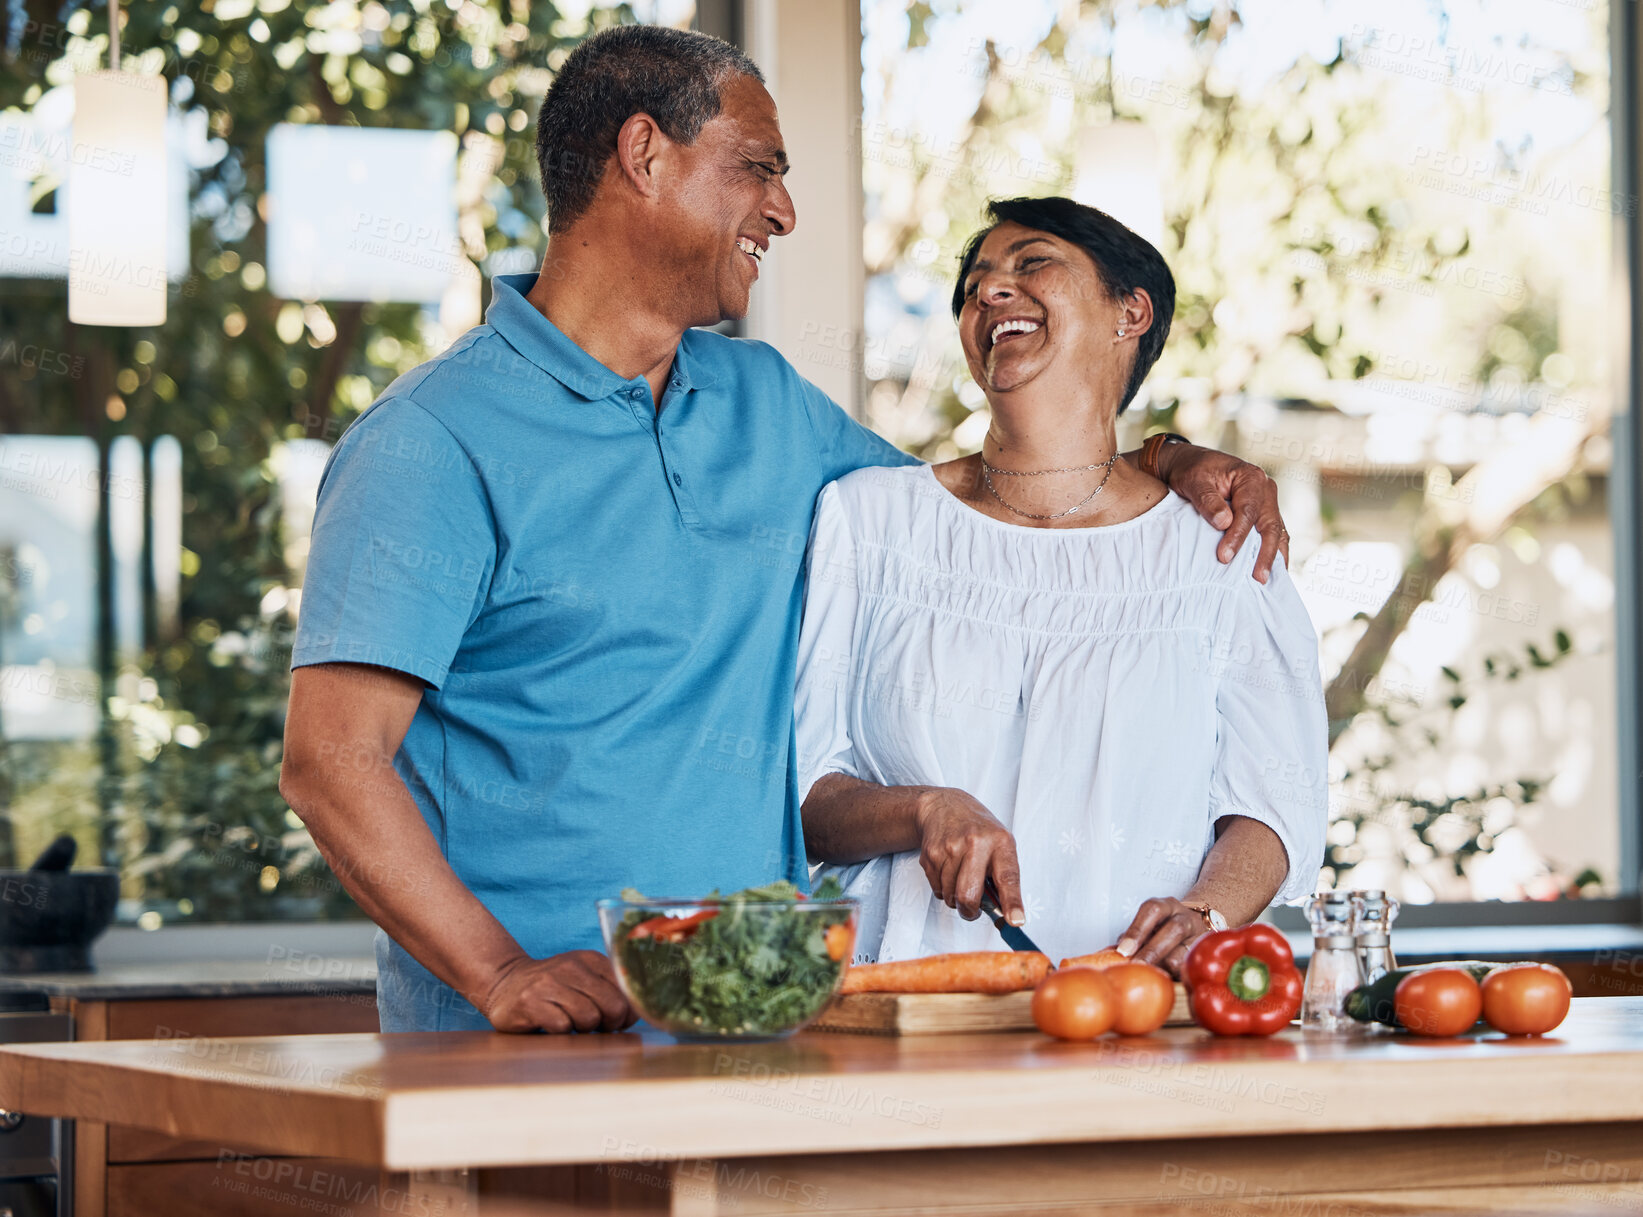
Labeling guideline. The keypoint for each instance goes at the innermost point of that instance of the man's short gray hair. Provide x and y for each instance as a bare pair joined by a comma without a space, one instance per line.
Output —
672,75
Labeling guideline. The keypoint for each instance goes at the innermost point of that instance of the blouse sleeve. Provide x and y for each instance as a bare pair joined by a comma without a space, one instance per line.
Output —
1272,739
826,647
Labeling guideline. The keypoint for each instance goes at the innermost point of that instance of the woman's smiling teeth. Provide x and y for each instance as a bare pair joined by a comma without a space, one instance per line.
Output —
1003,329
748,246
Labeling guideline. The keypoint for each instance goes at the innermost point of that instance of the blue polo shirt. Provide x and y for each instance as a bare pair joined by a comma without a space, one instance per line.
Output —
603,600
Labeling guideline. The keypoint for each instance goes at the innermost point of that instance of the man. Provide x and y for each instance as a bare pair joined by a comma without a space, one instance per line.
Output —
550,618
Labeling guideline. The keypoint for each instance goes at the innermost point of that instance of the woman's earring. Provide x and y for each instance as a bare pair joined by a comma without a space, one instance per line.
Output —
1120,331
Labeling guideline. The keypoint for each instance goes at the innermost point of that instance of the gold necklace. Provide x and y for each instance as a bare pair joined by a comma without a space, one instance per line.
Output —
987,471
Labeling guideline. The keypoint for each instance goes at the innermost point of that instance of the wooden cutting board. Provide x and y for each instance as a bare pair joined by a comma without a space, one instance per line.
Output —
947,1013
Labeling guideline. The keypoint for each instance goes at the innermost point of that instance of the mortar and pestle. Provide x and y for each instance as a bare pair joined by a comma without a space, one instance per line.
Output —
50,915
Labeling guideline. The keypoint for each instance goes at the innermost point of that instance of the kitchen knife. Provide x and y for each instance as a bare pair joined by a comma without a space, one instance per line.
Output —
1014,938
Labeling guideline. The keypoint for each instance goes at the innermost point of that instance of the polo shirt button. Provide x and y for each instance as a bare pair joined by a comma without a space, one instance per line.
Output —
677,480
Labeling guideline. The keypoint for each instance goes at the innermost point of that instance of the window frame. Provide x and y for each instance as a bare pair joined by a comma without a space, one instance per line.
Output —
1626,465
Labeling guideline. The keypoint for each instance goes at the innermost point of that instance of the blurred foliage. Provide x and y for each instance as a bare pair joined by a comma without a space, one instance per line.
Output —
1297,254
191,811
1308,253
1326,249
1439,835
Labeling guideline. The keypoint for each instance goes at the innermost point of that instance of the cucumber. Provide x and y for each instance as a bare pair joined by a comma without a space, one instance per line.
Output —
1374,1003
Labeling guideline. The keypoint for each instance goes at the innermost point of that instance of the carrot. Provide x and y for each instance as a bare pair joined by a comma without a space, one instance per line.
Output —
963,972
1107,957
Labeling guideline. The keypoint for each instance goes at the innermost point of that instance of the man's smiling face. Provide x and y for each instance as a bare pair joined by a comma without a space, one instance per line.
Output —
728,202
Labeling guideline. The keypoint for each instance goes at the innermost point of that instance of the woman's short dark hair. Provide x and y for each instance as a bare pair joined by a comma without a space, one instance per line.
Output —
672,75
1123,260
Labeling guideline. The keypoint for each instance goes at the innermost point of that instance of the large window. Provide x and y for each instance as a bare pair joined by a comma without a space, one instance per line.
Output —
157,486
1393,228
1392,231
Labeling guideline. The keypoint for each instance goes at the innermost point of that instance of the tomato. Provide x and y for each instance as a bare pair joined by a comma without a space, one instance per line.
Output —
839,939
1105,958
1530,999
1145,995
1075,1004
1440,1002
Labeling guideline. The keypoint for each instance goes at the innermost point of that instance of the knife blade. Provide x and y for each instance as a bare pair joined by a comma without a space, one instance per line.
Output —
1014,937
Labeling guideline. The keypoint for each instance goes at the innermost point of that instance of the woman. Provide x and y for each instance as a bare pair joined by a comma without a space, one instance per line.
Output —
1028,666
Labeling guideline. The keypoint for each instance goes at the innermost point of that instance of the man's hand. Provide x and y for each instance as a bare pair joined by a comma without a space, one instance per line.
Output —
1210,480
1162,933
575,991
960,844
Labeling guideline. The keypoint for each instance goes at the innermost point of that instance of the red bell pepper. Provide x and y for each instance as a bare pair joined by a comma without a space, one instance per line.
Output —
1243,982
672,929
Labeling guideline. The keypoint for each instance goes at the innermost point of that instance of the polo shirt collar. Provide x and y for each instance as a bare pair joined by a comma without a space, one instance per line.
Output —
546,345
543,343
690,365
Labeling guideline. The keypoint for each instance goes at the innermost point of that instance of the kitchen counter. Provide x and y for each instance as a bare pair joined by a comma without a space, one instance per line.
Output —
126,1170
1484,1121
196,978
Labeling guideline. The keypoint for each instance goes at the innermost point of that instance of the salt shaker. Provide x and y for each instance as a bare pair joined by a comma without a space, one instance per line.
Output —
1375,934
1334,970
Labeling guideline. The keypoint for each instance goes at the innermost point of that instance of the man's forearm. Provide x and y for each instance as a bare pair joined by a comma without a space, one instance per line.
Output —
1243,870
848,820
376,842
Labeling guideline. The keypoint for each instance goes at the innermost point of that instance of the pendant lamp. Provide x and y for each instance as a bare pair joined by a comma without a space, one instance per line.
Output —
117,195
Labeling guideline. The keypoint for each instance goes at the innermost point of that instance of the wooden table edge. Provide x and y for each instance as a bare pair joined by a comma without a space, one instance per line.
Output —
1135,1097
355,1134
665,1118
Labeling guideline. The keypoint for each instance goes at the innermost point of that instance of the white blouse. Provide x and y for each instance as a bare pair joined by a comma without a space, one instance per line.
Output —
1108,693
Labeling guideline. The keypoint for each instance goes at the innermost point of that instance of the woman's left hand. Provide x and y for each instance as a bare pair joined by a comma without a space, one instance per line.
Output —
1212,480
1162,933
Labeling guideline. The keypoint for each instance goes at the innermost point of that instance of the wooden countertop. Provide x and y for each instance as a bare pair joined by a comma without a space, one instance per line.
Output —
477,1099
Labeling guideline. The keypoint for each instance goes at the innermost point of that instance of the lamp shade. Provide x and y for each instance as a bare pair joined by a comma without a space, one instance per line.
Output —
117,200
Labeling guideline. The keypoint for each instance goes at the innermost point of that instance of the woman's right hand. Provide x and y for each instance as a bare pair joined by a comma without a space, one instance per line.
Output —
961,843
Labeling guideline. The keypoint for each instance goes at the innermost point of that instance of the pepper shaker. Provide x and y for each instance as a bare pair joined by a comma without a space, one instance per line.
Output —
1375,956
1334,970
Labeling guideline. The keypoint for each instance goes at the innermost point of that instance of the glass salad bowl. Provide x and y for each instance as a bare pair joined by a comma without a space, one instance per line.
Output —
756,964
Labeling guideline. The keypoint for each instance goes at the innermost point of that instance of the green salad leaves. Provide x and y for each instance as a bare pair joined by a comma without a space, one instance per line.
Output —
755,963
